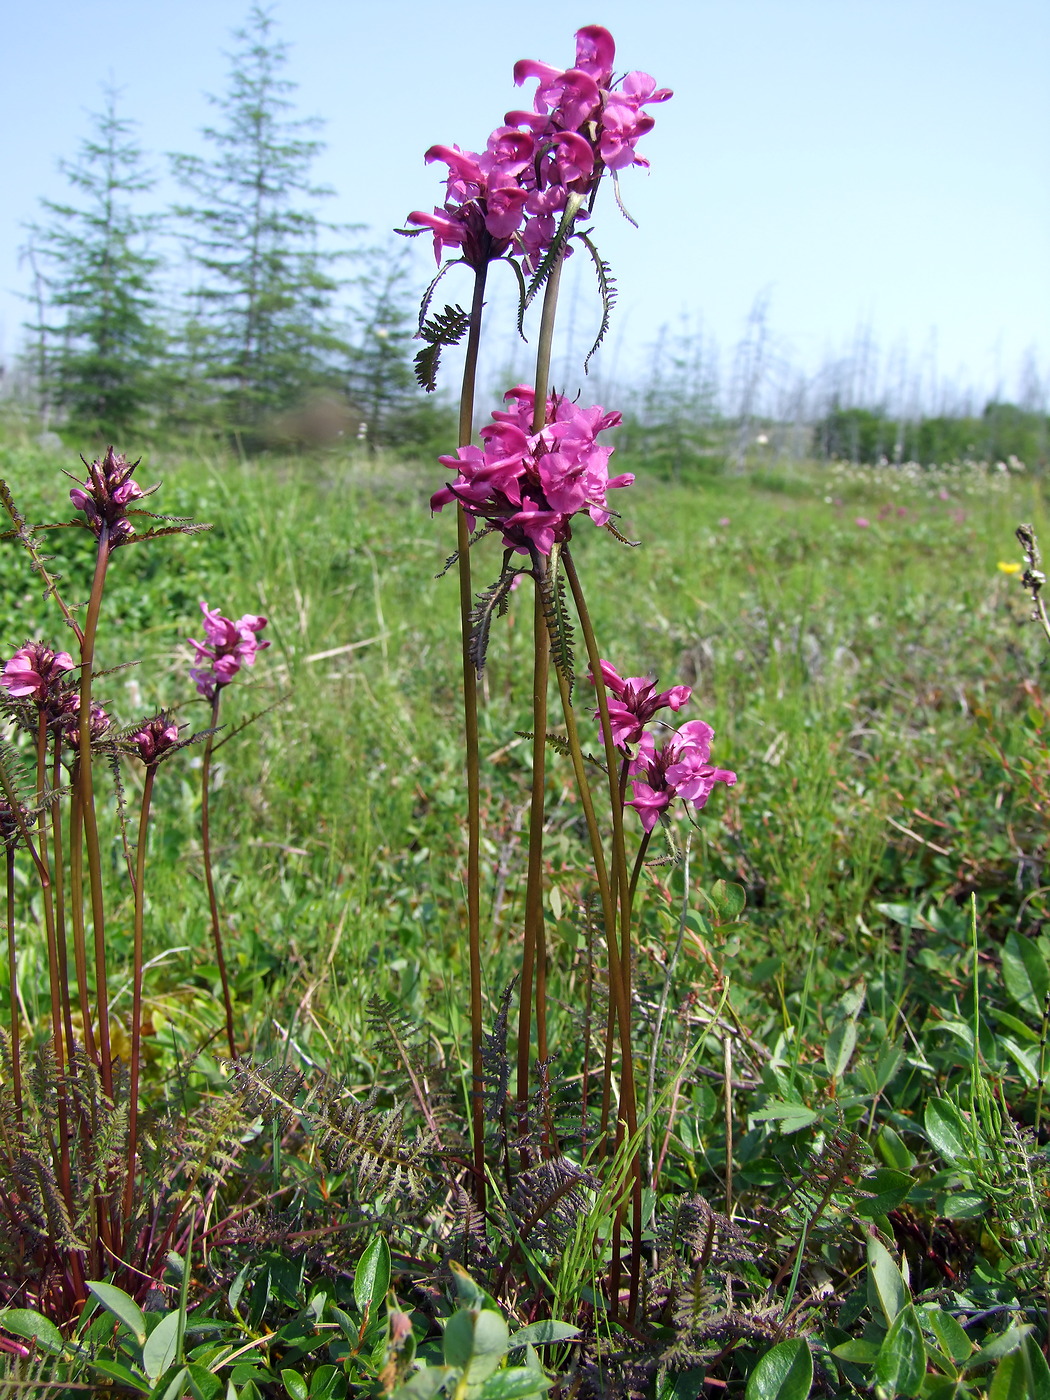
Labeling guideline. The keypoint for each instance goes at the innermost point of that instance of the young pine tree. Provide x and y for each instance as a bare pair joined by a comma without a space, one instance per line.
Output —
380,380
96,344
259,336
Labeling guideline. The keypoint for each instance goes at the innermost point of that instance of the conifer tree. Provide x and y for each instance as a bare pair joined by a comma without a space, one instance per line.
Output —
96,344
260,328
380,380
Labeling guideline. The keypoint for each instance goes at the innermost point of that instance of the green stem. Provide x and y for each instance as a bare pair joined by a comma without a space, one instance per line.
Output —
628,1112
12,976
136,994
87,808
209,880
470,728
76,910
534,884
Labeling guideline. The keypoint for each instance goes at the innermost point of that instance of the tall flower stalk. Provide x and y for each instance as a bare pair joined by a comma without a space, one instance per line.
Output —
538,470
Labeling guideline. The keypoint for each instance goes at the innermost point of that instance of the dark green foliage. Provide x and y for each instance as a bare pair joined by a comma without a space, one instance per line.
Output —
380,381
447,328
260,334
97,345
871,435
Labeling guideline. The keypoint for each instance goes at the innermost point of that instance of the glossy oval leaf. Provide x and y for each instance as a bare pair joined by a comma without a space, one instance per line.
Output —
951,1338
515,1384
946,1129
372,1275
541,1333
1037,1372
294,1384
893,1150
159,1348
839,1048
33,1327
784,1373
491,1338
116,1301
423,1384
1025,973
890,1288
901,1363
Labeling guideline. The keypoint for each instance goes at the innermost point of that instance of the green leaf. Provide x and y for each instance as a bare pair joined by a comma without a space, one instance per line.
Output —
785,1373
792,1116
907,915
1005,1344
372,1276
860,1352
1037,1372
901,1363
964,1205
1010,1381
891,1148
203,1384
540,1333
233,1297
458,1342
727,900
122,1374
1025,973
1018,1027
323,1382
294,1384
514,1384
889,1189
160,1347
33,1327
171,1387
424,1384
838,1051
890,1288
951,1338
491,1337
945,1129
116,1301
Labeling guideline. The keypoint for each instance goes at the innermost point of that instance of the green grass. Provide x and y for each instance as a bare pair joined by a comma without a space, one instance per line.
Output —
876,687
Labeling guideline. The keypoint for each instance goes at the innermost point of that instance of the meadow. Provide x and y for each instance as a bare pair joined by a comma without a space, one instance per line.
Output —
840,976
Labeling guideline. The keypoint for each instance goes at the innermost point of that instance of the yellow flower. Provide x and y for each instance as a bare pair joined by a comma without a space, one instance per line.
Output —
1009,568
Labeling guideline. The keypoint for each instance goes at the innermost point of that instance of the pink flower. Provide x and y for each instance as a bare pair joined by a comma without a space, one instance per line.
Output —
862,522
156,738
35,670
511,194
681,768
634,701
532,484
106,495
227,646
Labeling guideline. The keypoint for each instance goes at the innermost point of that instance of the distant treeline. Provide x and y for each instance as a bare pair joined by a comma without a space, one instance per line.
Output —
869,435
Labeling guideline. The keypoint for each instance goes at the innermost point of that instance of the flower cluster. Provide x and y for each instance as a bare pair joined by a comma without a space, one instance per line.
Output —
227,646
531,484
105,496
681,767
38,673
157,737
516,190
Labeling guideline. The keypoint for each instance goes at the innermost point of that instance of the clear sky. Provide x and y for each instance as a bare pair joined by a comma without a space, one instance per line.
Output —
877,163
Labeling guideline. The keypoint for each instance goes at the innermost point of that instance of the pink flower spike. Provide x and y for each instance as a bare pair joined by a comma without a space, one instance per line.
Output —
156,738
228,646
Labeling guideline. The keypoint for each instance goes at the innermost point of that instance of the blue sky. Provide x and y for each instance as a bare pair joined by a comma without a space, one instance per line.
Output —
859,162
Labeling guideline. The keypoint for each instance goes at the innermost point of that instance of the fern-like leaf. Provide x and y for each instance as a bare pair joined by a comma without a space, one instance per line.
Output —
445,329
491,602
607,291
559,627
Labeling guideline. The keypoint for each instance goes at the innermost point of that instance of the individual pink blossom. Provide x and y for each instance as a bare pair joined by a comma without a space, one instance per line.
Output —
680,768
35,670
157,737
862,522
105,496
633,701
531,485
227,646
